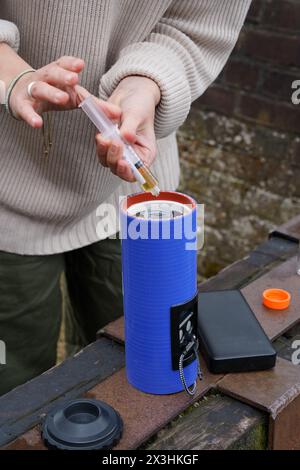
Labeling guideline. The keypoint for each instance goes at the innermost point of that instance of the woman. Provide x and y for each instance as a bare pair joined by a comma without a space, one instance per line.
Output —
149,61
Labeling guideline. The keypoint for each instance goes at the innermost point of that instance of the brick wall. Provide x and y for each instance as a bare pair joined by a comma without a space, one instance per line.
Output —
240,147
256,82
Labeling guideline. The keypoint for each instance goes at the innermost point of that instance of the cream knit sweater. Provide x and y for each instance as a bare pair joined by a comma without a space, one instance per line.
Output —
50,206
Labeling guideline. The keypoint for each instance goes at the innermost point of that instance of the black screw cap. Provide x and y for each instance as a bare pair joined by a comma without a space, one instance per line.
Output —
82,424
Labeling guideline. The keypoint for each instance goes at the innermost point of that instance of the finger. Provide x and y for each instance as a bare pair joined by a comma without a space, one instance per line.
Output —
57,76
27,113
114,153
129,127
81,92
141,135
124,171
102,146
71,63
46,92
102,160
111,110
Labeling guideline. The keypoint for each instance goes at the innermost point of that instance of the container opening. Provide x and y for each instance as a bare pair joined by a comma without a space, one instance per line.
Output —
158,210
82,414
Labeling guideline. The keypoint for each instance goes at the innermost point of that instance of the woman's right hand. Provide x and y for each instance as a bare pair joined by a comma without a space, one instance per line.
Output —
53,89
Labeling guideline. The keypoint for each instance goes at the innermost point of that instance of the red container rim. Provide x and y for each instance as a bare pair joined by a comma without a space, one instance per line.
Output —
171,196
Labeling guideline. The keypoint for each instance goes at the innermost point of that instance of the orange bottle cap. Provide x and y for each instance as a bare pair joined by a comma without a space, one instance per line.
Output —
277,299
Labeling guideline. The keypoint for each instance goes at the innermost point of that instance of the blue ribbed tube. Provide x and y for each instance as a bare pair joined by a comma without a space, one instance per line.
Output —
157,274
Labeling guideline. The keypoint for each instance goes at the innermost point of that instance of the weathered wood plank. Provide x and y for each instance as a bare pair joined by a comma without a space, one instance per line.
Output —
267,255
218,422
278,247
291,228
284,276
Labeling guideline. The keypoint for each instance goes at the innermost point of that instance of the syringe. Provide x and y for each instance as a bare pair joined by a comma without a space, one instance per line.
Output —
109,130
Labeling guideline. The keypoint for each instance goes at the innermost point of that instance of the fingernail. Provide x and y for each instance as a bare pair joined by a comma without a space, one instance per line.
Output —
102,143
35,122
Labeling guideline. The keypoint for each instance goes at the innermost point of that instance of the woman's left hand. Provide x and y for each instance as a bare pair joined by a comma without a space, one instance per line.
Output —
136,97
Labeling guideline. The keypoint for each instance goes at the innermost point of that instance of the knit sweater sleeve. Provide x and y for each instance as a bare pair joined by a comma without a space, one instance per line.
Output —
9,33
183,54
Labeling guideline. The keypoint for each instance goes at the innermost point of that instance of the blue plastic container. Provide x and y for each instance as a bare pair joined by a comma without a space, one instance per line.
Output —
159,271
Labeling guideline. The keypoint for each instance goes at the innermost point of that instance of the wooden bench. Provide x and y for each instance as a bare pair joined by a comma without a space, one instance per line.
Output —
250,410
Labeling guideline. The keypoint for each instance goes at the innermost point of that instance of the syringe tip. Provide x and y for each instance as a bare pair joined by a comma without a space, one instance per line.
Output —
155,191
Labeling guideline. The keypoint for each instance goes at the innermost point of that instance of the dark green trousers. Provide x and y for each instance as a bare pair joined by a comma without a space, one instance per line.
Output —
31,305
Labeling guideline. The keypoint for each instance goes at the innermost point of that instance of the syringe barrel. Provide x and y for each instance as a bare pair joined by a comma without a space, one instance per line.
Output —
97,116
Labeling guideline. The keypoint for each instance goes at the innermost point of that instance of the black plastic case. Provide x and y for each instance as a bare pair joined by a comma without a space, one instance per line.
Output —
230,337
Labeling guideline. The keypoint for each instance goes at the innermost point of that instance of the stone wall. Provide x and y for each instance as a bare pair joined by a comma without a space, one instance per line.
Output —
240,147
